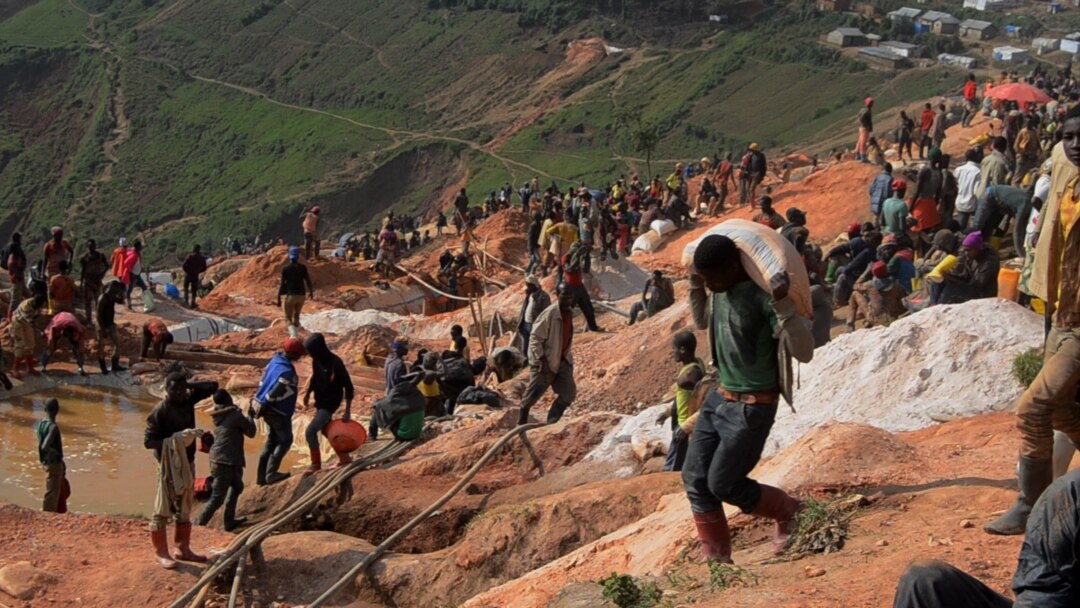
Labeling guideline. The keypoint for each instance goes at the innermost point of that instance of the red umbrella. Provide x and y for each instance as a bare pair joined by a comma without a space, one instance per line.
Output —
1019,92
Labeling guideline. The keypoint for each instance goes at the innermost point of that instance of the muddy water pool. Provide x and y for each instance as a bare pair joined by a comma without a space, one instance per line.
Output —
109,469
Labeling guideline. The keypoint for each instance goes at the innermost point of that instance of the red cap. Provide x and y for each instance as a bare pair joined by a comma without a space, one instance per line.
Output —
315,209
293,346
899,184
854,228
880,270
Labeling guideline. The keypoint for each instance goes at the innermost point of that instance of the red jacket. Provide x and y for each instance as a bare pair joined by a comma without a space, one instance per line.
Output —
969,90
926,120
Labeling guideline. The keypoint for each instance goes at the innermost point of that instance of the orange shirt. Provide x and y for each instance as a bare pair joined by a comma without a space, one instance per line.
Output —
62,288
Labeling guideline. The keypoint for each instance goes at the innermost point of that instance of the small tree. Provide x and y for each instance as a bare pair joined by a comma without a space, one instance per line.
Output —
644,134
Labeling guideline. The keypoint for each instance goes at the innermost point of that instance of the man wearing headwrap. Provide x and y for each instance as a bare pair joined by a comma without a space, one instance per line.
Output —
294,280
975,276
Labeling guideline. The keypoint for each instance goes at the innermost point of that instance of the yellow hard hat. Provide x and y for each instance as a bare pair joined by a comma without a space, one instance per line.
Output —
754,147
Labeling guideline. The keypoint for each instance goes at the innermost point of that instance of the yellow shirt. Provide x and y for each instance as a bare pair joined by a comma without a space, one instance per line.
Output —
1068,214
682,395
429,389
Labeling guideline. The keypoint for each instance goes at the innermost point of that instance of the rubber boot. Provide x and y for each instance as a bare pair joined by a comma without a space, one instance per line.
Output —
1064,449
29,361
5,381
714,534
45,355
776,504
343,459
316,463
103,366
229,518
116,364
183,544
1035,476
160,540
16,368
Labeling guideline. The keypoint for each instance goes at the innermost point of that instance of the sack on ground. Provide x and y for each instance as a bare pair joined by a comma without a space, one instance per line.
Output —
480,394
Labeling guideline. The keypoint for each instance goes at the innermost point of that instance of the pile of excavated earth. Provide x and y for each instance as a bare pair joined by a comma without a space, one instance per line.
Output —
907,422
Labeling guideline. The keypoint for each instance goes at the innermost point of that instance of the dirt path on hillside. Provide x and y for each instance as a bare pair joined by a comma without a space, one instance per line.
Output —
399,136
341,30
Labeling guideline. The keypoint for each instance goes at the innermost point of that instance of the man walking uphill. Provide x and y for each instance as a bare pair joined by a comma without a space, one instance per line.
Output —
330,382
1049,404
277,394
550,362
294,280
752,334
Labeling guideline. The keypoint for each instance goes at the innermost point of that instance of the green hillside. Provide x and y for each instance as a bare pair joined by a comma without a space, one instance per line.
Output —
183,121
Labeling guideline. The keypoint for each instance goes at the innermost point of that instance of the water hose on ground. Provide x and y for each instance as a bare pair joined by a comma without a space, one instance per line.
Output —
251,538
401,533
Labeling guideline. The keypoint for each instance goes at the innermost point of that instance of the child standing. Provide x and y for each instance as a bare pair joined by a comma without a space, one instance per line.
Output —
227,459
51,455
684,348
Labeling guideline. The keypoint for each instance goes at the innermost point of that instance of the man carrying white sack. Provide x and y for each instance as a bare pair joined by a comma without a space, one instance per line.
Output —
748,330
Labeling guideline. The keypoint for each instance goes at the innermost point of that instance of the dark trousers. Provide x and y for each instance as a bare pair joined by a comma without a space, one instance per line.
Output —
191,285
584,302
278,443
934,584
925,143
561,381
534,260
726,445
228,484
316,426
676,453
842,289
452,390
635,309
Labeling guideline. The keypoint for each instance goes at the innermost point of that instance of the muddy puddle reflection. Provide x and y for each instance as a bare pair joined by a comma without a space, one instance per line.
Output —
109,470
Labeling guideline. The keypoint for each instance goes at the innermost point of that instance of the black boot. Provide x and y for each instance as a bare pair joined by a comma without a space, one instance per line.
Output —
229,518
275,477
116,364
104,367
1034,477
260,469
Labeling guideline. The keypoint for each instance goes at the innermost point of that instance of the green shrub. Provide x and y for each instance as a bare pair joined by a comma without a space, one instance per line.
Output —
1026,366
624,591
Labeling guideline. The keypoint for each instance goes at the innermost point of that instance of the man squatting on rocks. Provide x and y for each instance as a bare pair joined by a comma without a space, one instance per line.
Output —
751,332
171,433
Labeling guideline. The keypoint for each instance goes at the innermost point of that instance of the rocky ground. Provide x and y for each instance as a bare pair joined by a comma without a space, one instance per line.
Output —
515,538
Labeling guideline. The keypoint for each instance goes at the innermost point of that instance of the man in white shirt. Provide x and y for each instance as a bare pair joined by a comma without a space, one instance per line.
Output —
967,181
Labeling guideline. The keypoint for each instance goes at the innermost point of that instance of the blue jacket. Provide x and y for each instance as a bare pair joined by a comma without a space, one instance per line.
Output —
880,189
279,386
